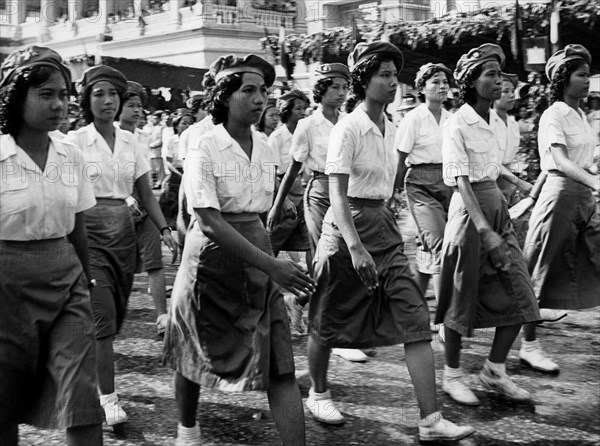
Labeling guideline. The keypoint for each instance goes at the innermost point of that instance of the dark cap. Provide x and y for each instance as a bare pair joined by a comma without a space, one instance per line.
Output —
364,51
196,98
32,56
476,57
226,65
568,53
331,70
429,68
289,97
133,88
101,73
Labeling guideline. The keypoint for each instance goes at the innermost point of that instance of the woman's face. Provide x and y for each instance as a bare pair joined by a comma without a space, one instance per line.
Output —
105,101
271,118
383,84
132,110
45,106
298,111
336,93
246,104
184,123
507,99
489,83
579,83
436,88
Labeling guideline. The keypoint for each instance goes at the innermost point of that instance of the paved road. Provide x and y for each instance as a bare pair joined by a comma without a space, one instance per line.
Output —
376,397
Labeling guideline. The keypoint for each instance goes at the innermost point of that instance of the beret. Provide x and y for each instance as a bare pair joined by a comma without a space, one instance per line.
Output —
476,57
226,65
512,78
429,68
364,51
104,73
194,99
289,97
32,56
137,89
271,103
568,53
330,70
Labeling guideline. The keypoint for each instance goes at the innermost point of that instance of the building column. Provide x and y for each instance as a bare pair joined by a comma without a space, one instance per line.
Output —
15,11
47,19
105,7
245,11
174,16
75,10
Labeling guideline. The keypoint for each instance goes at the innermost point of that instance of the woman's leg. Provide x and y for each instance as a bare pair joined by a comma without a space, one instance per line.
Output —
90,435
186,397
286,406
318,362
529,332
452,348
105,365
503,341
419,360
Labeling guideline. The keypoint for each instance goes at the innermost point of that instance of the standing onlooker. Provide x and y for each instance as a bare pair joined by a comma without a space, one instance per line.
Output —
484,281
228,326
47,370
155,128
114,164
562,247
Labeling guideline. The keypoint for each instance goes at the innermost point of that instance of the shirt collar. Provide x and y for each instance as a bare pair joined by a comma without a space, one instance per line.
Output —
8,147
223,140
565,109
365,124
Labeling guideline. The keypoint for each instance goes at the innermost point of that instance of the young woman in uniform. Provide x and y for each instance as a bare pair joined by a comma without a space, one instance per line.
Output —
47,367
114,164
240,339
562,248
484,280
366,295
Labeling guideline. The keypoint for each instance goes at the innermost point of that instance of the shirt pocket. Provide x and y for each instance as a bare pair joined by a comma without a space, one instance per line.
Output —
70,189
575,138
229,179
14,197
478,153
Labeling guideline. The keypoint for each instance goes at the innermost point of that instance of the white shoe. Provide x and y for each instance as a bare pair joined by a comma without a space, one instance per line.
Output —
322,407
533,355
113,411
459,391
442,333
443,429
501,383
295,311
187,436
549,315
161,324
350,354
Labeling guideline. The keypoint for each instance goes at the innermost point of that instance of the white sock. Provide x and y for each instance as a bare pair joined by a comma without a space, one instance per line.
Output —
430,419
188,434
452,373
529,345
499,368
108,398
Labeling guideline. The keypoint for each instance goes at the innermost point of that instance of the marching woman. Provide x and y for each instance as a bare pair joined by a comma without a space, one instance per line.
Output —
562,248
47,362
114,164
269,120
484,280
229,327
419,141
366,295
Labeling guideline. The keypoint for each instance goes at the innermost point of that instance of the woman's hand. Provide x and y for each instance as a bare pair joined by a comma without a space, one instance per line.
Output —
289,209
291,277
497,248
134,207
168,240
520,208
524,187
274,218
365,267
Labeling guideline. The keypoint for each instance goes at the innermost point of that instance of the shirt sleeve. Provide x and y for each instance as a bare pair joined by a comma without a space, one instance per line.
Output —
341,150
85,189
405,136
141,162
183,143
553,129
301,142
199,180
454,155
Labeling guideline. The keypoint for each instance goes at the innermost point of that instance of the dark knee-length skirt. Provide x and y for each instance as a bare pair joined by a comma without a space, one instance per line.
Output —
343,311
229,328
474,294
316,203
562,248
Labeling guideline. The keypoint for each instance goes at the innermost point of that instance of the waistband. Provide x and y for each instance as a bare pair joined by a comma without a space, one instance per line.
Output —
35,244
481,185
367,202
433,166
110,201
240,217
317,174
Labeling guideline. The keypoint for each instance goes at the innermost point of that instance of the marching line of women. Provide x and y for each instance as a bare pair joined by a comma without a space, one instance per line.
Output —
320,184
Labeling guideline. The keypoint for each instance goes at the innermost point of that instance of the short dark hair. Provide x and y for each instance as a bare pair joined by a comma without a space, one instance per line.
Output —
286,110
85,103
220,93
178,119
320,88
12,97
560,80
361,75
467,93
